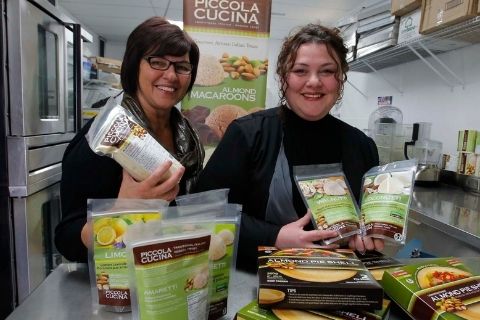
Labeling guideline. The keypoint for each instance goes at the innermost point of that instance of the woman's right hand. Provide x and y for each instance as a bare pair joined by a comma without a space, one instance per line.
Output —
293,235
154,187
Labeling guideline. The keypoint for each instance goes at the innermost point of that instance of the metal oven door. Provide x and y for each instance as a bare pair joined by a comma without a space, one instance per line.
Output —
37,79
35,170
35,218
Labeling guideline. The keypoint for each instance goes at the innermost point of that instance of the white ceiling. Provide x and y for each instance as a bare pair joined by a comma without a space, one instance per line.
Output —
115,19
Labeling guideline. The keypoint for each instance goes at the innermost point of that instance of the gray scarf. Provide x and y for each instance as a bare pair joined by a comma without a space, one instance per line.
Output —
189,150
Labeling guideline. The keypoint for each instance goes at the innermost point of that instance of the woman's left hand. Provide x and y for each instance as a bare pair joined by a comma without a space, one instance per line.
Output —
362,244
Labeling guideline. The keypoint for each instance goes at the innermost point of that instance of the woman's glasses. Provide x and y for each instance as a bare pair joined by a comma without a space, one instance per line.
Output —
158,63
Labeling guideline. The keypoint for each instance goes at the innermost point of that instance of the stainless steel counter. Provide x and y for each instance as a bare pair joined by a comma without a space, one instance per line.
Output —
65,294
446,219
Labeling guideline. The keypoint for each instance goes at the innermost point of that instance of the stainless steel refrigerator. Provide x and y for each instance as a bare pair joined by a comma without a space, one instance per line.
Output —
41,94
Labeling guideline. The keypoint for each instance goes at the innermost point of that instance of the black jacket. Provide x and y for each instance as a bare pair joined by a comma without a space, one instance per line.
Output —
244,162
84,175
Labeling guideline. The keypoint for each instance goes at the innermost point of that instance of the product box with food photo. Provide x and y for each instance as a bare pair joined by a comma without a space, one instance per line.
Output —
301,278
441,288
252,311
376,262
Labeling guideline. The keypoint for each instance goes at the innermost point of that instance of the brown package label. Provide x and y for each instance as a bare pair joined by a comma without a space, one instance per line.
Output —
114,297
242,15
151,254
451,299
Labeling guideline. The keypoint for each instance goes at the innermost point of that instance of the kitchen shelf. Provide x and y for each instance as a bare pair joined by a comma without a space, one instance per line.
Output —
451,38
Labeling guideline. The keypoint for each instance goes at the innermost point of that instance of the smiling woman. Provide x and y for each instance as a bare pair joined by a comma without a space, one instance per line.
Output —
158,69
257,153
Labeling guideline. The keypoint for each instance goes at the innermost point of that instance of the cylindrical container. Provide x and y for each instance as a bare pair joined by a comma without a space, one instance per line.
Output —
466,140
424,130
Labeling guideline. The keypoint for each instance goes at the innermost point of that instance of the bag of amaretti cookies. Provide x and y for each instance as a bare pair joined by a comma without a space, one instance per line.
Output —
385,200
172,254
108,221
116,133
169,269
225,238
326,192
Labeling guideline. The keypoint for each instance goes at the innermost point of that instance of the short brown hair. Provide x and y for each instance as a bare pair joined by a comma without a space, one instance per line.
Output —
312,33
157,37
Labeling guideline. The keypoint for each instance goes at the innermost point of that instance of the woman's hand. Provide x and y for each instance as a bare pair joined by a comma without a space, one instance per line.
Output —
362,244
86,235
292,235
154,187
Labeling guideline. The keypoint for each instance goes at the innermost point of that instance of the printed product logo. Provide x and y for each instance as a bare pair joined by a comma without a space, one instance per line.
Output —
238,12
249,16
155,255
118,132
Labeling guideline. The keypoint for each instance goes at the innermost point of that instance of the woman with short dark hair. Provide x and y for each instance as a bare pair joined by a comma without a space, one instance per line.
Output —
158,69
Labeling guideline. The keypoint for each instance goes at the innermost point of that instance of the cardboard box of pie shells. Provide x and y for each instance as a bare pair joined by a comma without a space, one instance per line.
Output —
253,312
300,278
439,14
377,263
438,289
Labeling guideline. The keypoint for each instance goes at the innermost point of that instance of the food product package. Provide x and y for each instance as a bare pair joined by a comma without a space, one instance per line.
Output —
169,268
385,200
467,140
312,278
108,220
376,262
252,311
326,192
225,237
443,289
116,133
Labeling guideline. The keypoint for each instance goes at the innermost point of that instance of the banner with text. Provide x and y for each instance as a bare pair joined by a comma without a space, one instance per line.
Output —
232,73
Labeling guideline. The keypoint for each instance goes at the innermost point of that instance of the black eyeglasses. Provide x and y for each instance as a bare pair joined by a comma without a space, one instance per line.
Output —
158,63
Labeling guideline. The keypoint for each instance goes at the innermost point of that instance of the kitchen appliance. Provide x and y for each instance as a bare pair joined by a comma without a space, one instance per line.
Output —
427,152
41,94
386,129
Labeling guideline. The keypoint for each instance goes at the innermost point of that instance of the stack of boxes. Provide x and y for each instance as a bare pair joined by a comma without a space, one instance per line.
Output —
316,284
390,22
349,35
377,28
409,28
469,152
402,7
438,14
